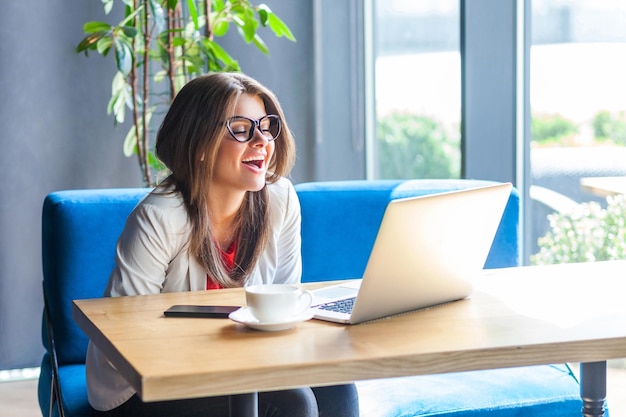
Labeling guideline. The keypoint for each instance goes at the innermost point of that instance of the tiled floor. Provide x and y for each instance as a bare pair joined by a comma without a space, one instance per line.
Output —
19,398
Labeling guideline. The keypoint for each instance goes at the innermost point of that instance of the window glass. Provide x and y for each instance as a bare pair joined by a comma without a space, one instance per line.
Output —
417,88
578,133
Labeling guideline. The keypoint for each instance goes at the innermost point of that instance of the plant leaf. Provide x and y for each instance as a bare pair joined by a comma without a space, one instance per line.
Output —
155,163
247,25
123,56
158,15
108,5
218,5
130,141
119,108
258,42
119,98
90,41
129,31
220,27
220,54
264,11
279,27
103,46
95,26
160,76
178,41
193,13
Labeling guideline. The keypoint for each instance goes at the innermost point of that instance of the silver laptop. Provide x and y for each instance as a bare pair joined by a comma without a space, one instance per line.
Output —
427,252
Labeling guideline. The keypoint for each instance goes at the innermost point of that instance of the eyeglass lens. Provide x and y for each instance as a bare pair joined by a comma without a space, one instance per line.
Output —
242,128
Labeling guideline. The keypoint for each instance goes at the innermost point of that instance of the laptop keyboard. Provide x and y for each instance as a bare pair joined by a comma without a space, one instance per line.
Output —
341,306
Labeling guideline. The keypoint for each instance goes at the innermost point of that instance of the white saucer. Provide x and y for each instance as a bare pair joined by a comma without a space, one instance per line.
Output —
244,317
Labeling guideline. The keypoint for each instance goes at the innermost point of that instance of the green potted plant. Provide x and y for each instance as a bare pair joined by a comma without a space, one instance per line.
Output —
158,46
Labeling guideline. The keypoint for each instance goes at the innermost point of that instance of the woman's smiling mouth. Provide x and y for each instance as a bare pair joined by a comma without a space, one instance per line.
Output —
257,161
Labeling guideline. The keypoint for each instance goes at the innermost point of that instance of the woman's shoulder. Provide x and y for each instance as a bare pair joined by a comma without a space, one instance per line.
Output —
282,190
163,204
283,198
282,184
164,199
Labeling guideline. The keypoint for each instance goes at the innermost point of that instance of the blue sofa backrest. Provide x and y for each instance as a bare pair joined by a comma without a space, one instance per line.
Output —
339,223
340,220
79,231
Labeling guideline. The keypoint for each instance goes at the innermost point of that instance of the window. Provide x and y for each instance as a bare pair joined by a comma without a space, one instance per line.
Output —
417,89
578,107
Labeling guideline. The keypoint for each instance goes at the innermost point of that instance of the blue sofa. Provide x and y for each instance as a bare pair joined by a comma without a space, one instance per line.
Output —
80,229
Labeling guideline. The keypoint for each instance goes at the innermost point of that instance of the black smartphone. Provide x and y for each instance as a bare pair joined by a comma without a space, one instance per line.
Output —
211,312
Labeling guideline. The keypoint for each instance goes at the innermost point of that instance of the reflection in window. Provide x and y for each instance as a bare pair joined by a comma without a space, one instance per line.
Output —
417,88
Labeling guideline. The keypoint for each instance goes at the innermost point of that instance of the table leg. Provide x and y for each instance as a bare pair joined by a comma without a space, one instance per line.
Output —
593,388
244,405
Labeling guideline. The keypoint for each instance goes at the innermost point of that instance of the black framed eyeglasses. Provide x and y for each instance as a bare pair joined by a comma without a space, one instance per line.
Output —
242,128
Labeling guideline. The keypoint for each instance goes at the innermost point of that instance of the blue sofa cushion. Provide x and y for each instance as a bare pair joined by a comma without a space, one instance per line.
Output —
347,214
537,391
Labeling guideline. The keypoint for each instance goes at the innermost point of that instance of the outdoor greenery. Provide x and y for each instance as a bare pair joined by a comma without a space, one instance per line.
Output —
556,130
588,233
158,46
610,127
414,146
552,129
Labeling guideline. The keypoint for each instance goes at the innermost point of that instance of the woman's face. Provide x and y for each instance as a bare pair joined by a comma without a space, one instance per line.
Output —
243,166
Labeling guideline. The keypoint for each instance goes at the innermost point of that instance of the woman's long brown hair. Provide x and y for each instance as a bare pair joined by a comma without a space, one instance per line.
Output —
187,143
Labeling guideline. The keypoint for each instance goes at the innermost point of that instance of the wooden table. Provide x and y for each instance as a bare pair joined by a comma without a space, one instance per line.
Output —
604,186
516,317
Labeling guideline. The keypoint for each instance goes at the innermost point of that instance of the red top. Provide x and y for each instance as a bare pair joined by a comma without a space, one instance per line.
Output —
228,257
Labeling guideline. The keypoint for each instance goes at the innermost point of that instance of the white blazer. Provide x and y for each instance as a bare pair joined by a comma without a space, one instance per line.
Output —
153,257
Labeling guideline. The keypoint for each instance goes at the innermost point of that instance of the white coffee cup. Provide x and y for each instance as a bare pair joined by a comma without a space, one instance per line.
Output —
275,303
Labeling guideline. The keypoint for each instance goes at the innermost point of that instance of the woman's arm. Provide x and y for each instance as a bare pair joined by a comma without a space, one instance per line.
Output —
150,240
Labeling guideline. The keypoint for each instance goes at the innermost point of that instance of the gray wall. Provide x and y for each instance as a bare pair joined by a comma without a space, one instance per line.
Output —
55,135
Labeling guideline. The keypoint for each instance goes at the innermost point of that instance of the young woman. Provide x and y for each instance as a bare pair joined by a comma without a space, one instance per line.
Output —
225,217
